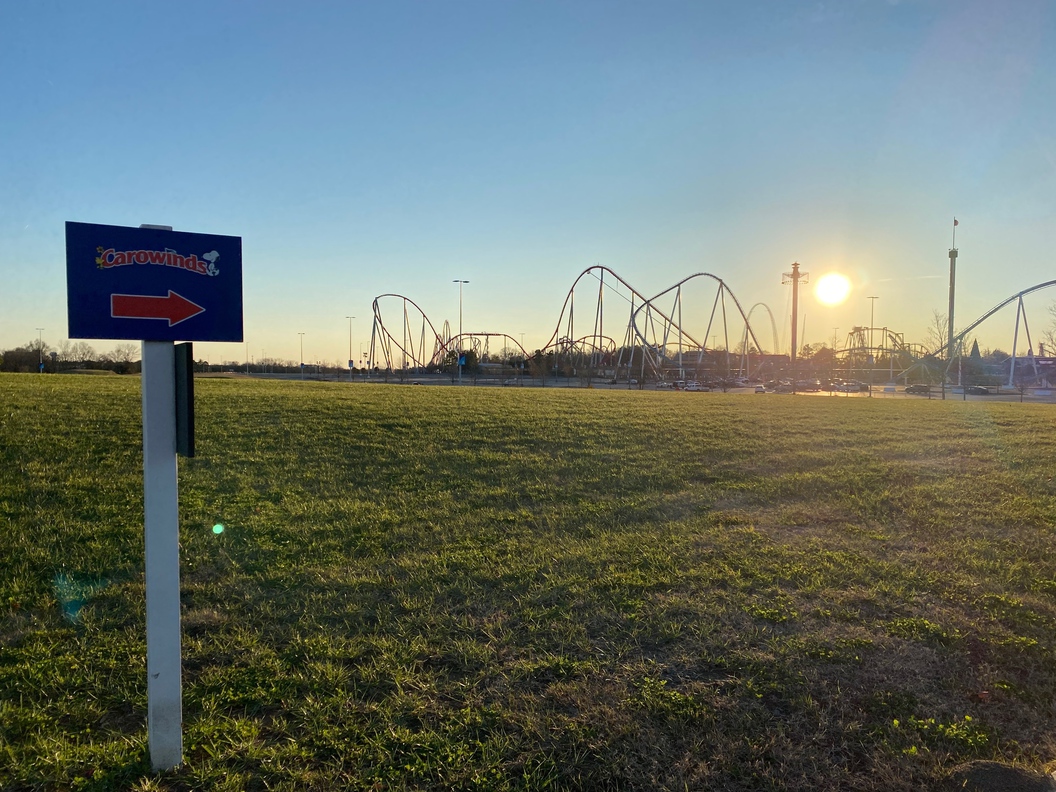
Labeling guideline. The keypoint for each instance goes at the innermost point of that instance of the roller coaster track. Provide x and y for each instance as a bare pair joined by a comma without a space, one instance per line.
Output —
669,348
649,337
385,344
1021,316
1018,297
621,330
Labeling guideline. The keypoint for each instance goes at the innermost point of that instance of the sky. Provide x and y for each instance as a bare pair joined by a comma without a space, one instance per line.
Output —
362,149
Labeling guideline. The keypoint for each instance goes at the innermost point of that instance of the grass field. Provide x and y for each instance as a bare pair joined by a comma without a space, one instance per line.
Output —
491,589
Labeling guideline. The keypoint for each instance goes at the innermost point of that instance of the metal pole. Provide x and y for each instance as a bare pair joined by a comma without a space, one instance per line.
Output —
832,371
872,346
949,329
302,354
40,350
161,539
1015,343
350,318
795,319
459,352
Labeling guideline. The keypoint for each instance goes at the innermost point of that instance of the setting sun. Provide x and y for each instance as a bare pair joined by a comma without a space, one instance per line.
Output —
832,289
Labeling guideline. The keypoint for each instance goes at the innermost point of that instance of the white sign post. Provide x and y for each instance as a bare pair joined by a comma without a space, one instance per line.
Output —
174,291
162,540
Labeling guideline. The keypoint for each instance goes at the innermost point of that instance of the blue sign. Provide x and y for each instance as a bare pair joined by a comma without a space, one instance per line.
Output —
152,285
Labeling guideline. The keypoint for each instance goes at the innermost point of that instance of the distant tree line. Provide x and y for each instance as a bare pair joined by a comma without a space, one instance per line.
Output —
38,355
124,358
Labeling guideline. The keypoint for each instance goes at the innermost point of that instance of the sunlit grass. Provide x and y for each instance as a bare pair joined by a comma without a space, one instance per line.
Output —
395,587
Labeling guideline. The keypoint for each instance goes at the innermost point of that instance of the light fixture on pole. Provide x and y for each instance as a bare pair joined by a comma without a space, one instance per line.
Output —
832,370
872,347
459,351
350,361
302,354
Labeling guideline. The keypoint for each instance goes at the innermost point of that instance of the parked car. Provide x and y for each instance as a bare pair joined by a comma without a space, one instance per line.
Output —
760,389
977,390
918,389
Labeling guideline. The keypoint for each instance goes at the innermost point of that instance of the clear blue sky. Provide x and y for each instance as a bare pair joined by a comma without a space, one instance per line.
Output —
365,148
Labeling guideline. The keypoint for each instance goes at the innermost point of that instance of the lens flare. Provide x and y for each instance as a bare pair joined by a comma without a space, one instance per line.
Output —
832,289
218,528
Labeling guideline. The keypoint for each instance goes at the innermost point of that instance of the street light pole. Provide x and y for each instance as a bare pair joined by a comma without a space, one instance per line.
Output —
302,354
350,318
872,348
832,371
40,350
460,282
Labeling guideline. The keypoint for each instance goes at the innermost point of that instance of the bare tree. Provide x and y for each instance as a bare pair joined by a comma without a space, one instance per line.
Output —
123,353
936,335
1048,335
64,350
82,352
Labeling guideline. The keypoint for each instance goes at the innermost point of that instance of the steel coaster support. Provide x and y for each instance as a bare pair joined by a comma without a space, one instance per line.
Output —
1021,312
1015,344
628,339
599,316
406,328
773,324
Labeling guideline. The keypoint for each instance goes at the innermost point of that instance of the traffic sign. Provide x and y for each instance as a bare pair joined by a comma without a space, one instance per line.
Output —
152,284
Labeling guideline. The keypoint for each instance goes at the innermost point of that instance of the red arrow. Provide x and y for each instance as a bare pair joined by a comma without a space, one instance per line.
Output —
139,306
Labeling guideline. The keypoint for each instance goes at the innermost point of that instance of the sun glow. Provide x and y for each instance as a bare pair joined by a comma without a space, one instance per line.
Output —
832,289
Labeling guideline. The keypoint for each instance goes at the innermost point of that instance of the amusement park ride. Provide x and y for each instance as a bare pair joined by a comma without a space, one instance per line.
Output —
608,328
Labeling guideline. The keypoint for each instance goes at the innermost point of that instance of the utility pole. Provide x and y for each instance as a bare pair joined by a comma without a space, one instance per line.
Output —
872,347
350,361
832,373
794,277
302,354
460,282
40,350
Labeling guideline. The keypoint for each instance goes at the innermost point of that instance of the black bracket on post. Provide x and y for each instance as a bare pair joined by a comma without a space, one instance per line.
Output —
184,400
